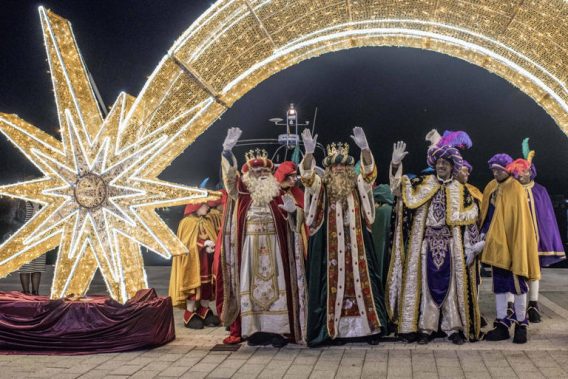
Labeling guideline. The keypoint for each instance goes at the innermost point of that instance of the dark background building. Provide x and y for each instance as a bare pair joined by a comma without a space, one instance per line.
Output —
394,93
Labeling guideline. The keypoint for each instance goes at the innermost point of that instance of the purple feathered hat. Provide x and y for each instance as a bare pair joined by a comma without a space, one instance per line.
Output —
500,161
447,147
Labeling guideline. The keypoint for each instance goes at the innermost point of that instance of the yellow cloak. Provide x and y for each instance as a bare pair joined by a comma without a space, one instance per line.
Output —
510,242
185,275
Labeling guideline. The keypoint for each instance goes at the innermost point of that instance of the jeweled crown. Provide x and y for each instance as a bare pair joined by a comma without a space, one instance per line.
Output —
338,148
256,154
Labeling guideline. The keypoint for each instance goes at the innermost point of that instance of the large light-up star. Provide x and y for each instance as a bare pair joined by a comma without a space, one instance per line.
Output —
99,187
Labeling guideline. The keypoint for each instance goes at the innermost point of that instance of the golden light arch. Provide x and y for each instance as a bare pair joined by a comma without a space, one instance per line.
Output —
236,44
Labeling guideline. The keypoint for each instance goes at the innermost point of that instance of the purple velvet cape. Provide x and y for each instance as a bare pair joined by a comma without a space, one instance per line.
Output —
550,248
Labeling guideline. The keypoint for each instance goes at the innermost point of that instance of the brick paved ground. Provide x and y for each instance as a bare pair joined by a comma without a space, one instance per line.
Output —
190,355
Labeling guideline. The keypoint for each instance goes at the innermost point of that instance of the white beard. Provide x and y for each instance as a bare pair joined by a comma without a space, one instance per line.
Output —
262,191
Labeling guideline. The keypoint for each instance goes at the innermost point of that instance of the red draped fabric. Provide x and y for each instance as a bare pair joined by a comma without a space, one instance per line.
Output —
37,325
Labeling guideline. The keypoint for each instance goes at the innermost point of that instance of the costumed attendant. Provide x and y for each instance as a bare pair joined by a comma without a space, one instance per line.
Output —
550,249
30,272
463,177
346,297
430,285
510,248
191,279
381,228
287,175
263,269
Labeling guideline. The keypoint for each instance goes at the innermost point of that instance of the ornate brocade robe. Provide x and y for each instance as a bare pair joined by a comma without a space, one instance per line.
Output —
346,296
434,224
262,264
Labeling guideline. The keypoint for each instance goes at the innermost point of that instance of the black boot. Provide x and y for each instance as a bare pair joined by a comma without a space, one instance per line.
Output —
520,333
500,332
533,312
457,338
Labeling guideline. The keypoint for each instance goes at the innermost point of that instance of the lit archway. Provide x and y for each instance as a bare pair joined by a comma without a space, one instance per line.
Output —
237,44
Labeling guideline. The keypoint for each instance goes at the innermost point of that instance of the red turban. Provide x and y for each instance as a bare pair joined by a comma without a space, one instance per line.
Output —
286,168
192,208
518,166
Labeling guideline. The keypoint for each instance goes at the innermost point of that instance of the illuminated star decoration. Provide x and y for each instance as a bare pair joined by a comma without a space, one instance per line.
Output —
99,187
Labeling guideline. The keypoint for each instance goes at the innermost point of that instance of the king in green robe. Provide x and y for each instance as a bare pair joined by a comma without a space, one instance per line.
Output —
346,296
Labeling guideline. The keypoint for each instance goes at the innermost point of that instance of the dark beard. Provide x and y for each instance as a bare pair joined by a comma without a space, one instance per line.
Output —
339,185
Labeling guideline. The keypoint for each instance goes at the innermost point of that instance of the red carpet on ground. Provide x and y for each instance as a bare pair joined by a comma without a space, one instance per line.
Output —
96,324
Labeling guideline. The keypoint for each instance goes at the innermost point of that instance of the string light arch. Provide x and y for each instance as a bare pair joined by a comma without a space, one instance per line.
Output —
237,44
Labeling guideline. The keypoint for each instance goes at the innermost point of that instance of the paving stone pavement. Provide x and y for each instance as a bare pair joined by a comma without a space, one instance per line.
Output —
190,355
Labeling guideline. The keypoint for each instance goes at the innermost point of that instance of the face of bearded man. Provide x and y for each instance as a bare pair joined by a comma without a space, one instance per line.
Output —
262,189
340,183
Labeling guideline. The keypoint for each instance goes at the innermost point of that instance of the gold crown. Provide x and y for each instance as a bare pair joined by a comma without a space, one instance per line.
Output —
256,154
338,149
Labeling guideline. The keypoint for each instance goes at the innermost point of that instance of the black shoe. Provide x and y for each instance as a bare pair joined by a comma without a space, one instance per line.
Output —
423,339
278,341
211,320
337,342
520,333
373,340
195,323
408,337
259,339
483,322
500,332
457,338
534,312
35,293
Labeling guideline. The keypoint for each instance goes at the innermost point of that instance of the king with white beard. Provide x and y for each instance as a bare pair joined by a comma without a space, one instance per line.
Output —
262,268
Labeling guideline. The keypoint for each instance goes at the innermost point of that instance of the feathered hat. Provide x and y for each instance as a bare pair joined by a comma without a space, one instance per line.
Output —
447,146
338,153
529,154
257,158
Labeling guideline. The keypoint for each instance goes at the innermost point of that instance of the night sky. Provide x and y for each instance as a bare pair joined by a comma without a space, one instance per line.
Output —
393,93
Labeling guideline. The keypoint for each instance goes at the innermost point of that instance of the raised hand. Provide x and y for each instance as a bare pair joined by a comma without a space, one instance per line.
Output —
233,135
360,138
398,152
288,203
309,141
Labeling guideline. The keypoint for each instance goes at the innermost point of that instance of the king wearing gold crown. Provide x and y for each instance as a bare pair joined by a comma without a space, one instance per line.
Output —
346,299
262,264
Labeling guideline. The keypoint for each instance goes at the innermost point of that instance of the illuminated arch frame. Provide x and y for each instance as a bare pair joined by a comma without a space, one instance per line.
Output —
237,44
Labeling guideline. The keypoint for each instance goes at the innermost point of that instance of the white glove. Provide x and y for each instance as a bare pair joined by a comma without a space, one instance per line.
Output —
288,203
433,137
478,247
209,246
360,138
233,135
398,152
469,257
309,141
